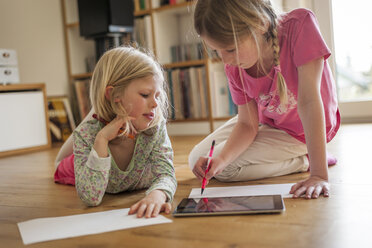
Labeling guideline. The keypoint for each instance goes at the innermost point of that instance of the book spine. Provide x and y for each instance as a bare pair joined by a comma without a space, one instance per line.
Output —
185,100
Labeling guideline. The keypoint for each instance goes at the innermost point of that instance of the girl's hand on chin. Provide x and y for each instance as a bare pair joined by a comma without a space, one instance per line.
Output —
115,127
111,130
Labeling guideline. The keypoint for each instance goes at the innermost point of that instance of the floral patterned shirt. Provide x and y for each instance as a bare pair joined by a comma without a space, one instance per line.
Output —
150,167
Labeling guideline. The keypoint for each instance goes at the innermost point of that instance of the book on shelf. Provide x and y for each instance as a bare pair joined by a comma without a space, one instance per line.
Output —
177,94
184,92
202,82
187,93
148,33
156,3
82,97
106,43
168,79
143,32
195,94
139,33
186,52
220,94
141,5
61,121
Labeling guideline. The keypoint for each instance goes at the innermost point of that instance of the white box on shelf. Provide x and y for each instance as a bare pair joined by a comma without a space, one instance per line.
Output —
8,57
9,75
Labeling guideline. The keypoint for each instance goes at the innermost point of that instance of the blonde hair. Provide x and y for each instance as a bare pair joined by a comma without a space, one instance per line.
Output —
228,21
118,67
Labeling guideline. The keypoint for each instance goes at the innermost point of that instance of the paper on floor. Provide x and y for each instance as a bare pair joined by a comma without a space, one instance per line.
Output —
249,190
45,229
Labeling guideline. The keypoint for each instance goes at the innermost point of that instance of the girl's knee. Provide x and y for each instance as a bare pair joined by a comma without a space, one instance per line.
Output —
194,155
229,174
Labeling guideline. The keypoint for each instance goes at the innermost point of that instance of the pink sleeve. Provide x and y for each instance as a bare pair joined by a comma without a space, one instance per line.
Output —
237,94
309,43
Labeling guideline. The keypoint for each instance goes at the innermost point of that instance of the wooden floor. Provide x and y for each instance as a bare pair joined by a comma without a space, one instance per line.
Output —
344,219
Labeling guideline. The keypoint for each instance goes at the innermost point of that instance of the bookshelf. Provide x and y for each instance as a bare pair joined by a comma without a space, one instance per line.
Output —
78,49
80,53
166,27
171,25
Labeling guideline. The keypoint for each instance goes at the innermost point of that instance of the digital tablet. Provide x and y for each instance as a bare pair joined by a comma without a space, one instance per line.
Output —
230,205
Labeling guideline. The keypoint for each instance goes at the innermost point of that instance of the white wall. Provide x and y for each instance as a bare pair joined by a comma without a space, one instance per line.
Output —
34,29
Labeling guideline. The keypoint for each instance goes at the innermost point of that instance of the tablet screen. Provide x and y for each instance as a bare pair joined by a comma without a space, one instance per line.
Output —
230,205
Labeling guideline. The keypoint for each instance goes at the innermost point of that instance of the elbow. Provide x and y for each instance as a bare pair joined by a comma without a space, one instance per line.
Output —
90,201
89,198
306,108
252,127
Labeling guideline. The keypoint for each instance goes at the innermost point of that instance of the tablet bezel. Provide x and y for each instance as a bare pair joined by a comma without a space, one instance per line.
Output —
279,207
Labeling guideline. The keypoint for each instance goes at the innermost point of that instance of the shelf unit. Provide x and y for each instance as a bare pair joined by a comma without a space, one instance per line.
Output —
78,49
166,22
172,25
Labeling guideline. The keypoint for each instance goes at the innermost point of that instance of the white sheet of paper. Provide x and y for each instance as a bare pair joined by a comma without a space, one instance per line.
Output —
45,229
249,190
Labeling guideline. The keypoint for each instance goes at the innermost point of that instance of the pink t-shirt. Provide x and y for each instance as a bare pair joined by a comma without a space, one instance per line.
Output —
300,42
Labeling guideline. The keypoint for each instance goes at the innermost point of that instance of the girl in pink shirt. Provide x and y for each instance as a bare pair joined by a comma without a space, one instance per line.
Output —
280,79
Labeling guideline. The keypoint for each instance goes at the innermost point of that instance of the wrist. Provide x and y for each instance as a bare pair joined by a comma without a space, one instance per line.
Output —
160,194
320,175
319,170
100,145
222,160
101,138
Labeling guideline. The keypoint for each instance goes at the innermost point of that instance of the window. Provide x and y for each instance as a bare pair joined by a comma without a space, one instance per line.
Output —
353,49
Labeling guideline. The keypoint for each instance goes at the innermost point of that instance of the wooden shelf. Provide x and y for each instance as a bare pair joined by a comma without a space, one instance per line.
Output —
165,34
185,64
223,118
162,8
142,12
72,25
19,87
173,6
188,120
82,75
201,119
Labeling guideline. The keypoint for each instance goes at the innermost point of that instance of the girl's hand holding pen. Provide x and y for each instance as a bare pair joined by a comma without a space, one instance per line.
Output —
216,167
200,167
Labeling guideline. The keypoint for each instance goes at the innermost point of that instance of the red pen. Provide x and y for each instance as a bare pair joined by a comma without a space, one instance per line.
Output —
204,183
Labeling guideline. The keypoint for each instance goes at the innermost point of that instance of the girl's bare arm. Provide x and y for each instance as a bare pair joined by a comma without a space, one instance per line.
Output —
240,138
311,112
